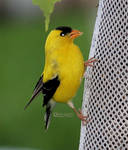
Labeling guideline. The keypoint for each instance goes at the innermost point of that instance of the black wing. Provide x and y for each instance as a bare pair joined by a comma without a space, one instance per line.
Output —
38,88
48,89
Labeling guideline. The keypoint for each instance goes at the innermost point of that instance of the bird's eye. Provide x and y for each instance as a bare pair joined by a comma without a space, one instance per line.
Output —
62,34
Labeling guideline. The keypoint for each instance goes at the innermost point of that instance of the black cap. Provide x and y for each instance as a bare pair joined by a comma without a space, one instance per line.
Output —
64,29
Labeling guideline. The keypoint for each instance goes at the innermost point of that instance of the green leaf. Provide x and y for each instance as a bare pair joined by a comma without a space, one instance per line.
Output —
47,7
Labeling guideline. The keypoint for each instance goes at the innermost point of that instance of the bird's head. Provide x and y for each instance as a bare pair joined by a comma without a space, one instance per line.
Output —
61,36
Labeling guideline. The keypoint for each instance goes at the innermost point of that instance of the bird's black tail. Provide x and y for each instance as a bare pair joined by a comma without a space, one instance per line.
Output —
47,116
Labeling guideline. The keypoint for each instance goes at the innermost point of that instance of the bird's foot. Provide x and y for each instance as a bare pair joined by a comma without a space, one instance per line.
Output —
82,117
79,114
90,61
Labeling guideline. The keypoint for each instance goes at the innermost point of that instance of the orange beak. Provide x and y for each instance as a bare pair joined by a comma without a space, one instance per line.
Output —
75,33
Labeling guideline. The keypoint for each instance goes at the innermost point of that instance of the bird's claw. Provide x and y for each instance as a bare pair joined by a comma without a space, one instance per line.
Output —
82,117
90,61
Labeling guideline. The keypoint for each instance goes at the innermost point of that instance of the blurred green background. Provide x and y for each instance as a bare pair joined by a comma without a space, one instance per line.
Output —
22,39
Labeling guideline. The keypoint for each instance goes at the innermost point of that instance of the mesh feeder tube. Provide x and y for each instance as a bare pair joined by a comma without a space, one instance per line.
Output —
105,98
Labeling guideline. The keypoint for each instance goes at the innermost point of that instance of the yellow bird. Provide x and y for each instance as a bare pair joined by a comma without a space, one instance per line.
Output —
63,71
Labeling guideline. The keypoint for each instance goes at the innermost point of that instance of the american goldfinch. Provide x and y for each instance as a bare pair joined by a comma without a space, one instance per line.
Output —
63,71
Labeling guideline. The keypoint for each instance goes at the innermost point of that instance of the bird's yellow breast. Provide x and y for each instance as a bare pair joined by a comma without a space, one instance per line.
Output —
69,65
